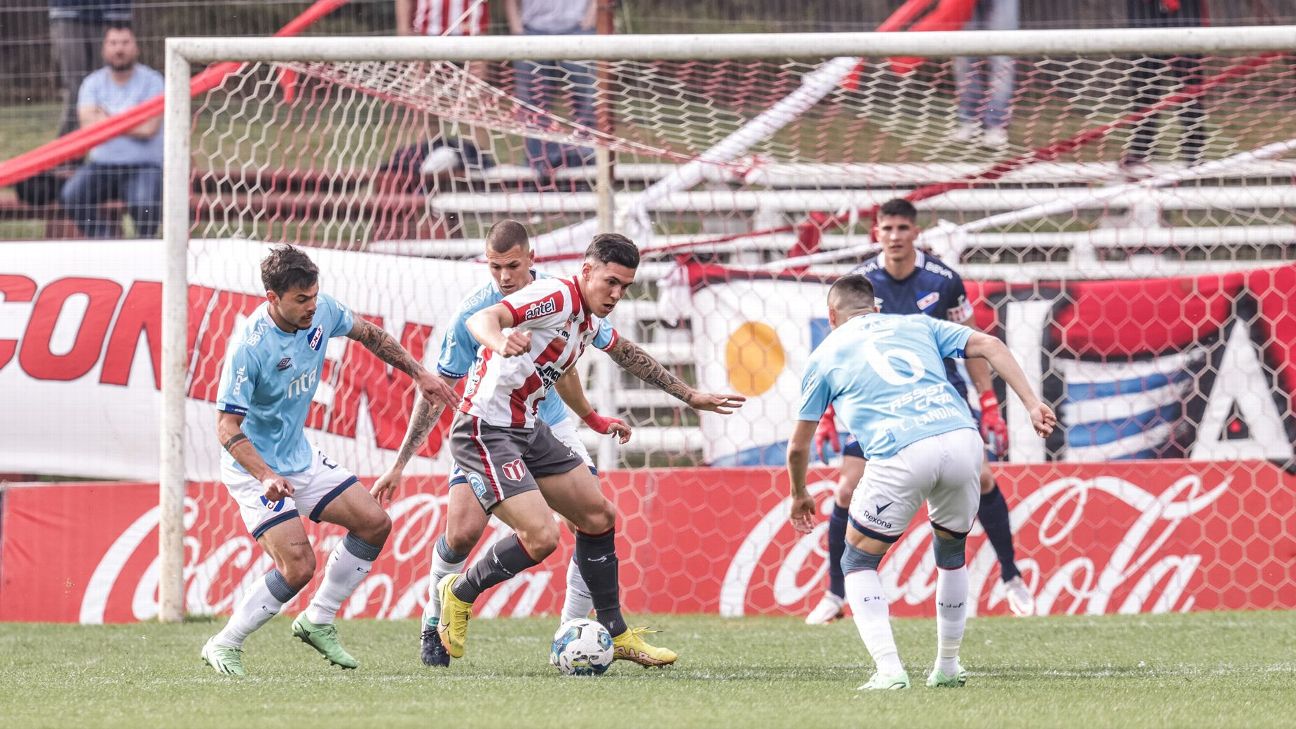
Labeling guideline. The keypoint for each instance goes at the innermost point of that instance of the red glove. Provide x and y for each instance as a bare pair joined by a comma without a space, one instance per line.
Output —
607,426
826,435
993,428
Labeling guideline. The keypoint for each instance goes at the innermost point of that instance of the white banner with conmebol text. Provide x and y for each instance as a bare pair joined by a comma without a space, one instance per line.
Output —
80,349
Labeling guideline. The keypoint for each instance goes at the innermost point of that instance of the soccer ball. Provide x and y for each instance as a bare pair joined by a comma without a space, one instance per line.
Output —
581,647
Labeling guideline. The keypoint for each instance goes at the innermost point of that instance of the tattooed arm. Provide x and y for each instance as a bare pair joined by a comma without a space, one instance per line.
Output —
633,359
390,351
422,420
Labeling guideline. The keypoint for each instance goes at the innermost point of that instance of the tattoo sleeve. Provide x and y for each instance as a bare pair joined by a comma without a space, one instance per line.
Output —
639,363
421,421
384,347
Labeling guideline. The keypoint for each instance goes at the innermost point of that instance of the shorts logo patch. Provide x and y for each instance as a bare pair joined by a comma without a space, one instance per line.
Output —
478,485
284,364
316,338
883,507
275,506
514,470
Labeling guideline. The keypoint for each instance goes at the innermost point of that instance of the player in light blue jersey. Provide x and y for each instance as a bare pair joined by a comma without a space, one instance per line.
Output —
510,259
271,370
885,376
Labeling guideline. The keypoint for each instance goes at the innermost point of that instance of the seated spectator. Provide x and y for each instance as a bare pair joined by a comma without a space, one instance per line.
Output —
128,167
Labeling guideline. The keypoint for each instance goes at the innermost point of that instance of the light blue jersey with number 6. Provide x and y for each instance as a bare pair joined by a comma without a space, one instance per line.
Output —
885,375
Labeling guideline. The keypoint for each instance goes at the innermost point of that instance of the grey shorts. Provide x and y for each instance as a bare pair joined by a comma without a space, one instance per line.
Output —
504,462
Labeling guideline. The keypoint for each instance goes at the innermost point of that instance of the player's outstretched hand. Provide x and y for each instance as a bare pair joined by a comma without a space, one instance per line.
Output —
385,487
712,402
1043,419
614,427
803,514
993,428
826,435
436,390
516,342
277,488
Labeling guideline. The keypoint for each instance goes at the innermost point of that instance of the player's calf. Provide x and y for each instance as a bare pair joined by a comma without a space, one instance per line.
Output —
870,610
951,606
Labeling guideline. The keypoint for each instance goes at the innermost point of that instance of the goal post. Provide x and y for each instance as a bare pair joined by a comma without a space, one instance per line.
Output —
742,149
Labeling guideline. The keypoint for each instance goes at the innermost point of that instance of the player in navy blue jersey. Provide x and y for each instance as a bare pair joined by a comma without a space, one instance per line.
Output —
908,281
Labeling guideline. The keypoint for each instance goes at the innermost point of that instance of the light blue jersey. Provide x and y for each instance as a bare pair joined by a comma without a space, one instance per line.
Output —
459,347
885,376
269,378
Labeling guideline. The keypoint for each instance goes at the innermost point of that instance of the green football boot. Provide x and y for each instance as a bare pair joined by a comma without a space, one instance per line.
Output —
323,638
225,659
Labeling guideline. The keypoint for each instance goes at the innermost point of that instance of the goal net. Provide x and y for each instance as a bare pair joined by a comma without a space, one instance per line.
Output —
1120,207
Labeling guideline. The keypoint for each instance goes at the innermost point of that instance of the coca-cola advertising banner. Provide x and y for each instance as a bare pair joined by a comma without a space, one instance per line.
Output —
80,352
1199,368
1159,536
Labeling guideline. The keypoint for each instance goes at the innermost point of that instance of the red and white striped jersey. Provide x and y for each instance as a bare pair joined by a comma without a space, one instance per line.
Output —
505,391
451,17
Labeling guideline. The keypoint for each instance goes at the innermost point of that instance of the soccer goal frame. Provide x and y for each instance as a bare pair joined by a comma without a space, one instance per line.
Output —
183,54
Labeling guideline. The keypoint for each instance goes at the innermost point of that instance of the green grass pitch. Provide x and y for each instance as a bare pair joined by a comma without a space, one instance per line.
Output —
1209,669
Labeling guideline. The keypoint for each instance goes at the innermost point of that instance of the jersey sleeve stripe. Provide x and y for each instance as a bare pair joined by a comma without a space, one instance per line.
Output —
231,409
611,342
517,318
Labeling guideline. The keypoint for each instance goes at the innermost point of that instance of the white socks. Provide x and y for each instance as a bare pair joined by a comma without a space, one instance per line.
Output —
578,602
348,565
951,617
873,619
440,568
260,604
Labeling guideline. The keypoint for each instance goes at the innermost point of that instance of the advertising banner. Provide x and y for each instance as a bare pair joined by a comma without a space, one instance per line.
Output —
1150,536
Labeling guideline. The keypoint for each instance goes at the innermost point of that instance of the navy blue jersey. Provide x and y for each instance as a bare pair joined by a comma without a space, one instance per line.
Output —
933,289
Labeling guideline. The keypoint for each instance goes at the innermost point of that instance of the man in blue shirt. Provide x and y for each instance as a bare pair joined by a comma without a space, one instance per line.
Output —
908,281
127,167
271,371
885,376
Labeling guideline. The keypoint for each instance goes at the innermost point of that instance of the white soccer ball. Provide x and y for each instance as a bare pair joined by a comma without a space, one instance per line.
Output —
581,647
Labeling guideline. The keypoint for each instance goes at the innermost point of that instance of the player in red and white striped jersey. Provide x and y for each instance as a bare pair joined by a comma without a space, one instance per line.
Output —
442,17
518,470
552,315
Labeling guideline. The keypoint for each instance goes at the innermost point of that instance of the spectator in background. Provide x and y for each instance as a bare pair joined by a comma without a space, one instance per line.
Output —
534,79
985,85
128,167
76,32
442,17
1157,76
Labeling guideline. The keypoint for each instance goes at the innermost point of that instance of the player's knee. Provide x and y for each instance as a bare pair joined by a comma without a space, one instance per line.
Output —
949,550
460,539
375,529
297,568
599,519
541,540
845,492
854,559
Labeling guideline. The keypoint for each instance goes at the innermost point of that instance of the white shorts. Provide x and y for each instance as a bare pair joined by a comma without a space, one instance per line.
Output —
313,489
943,470
565,432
